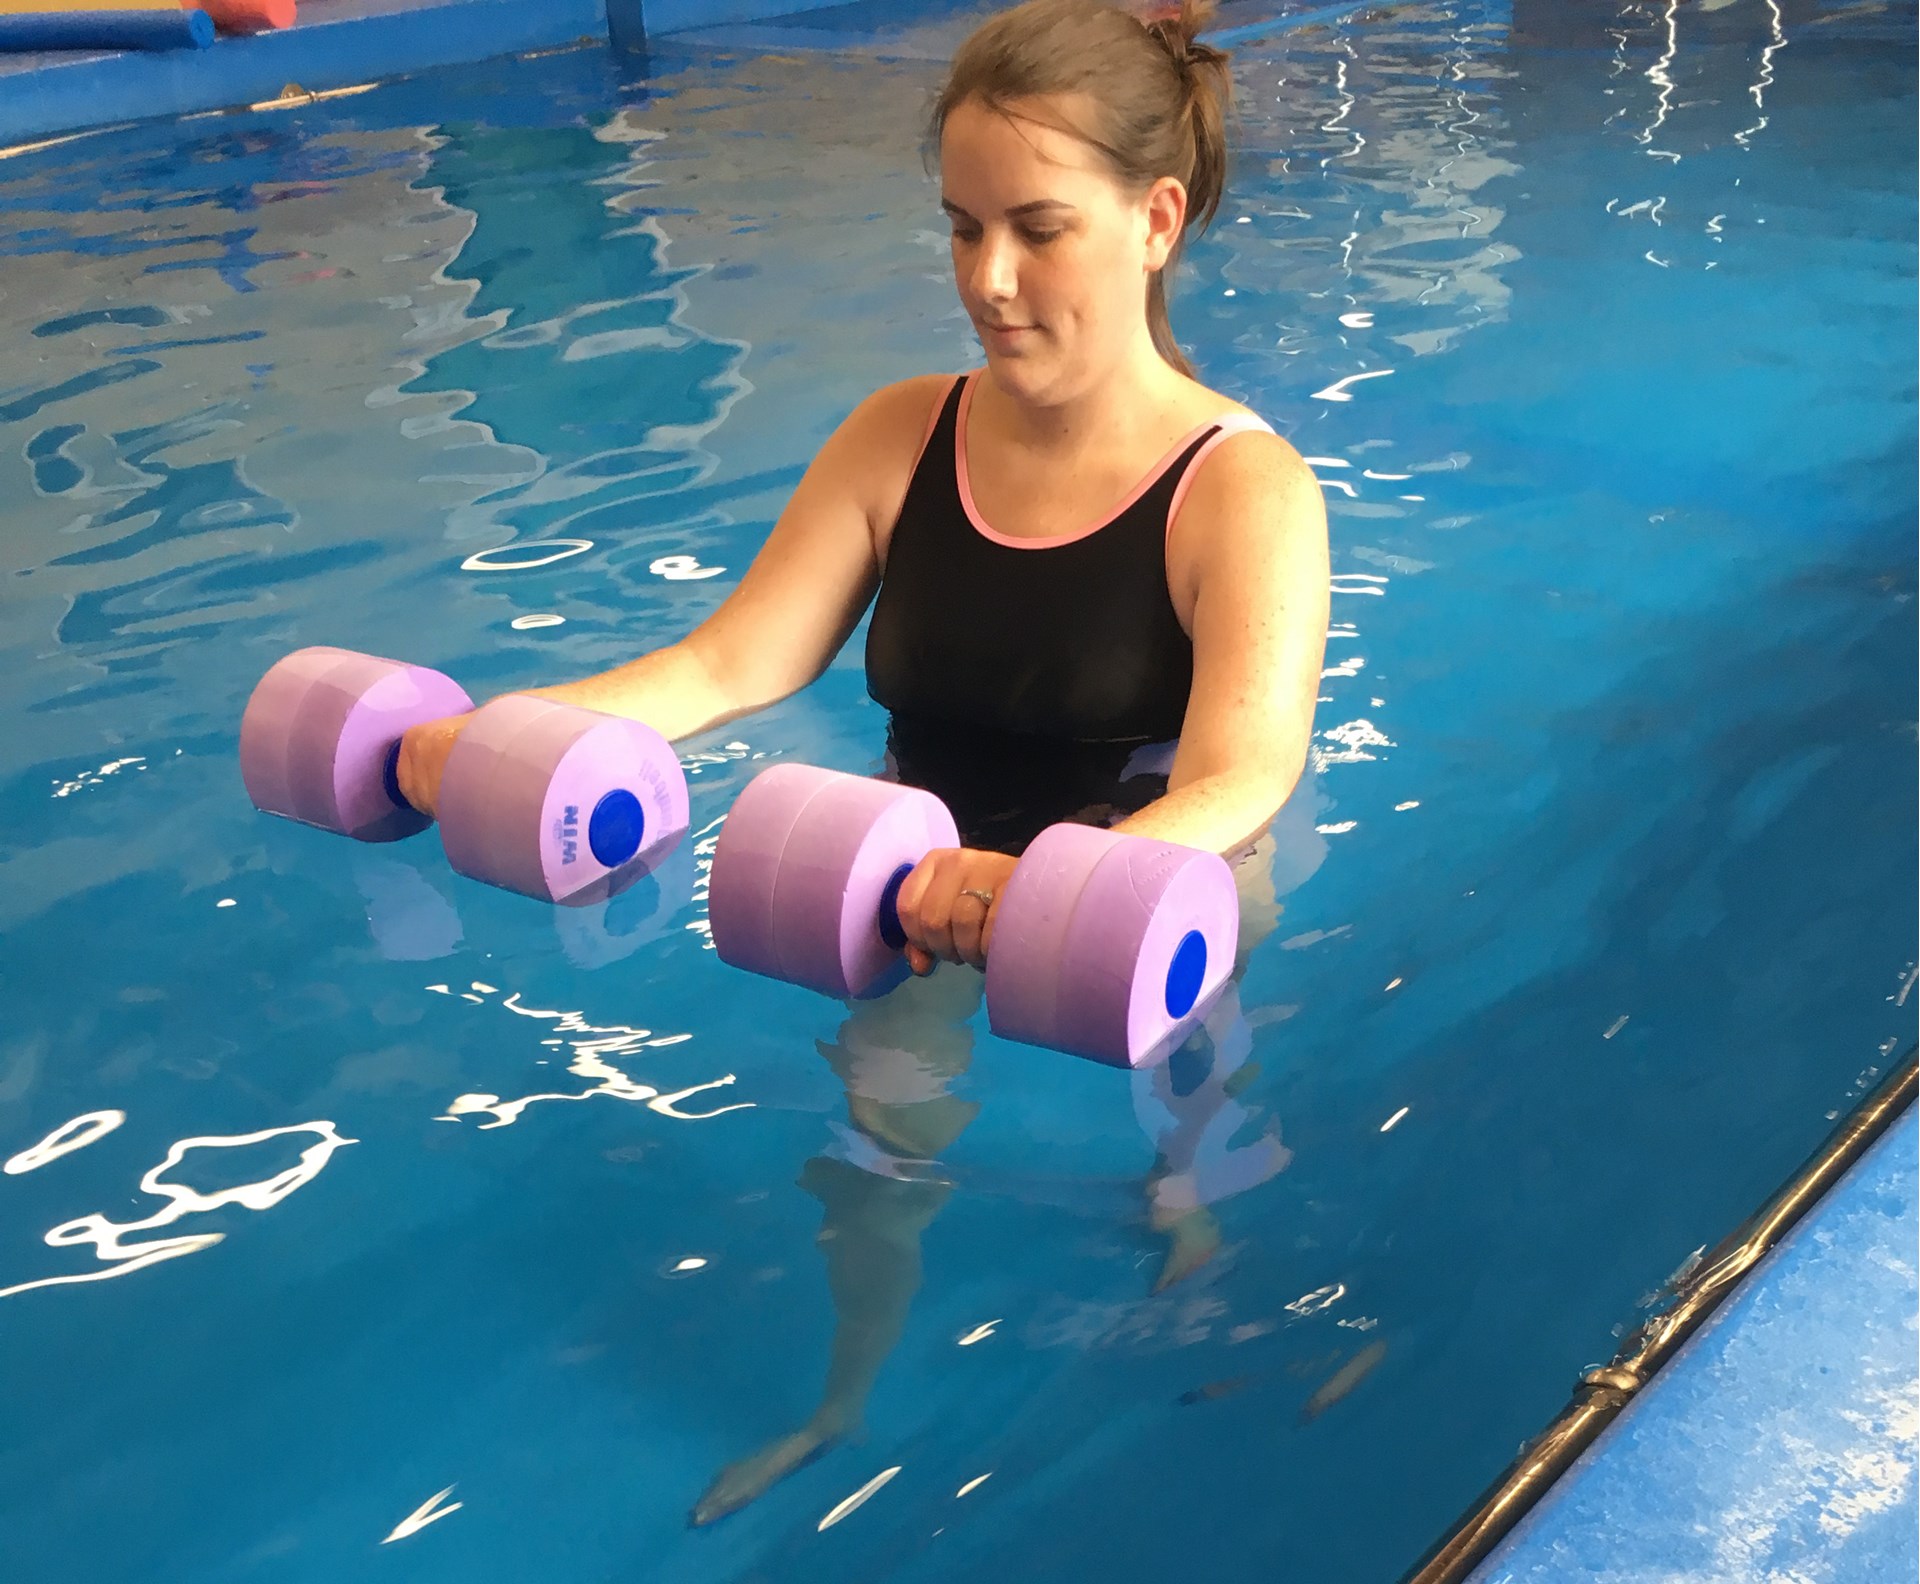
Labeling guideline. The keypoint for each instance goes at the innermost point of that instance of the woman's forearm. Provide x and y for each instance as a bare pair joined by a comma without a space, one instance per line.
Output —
1217,813
672,690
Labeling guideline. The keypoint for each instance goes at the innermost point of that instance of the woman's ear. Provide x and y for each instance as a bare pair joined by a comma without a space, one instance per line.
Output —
1166,213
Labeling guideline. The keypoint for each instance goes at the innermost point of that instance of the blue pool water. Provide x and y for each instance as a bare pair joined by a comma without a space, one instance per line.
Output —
415,1231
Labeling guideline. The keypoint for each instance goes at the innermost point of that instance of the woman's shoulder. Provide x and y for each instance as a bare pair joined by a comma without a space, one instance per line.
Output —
1252,450
904,410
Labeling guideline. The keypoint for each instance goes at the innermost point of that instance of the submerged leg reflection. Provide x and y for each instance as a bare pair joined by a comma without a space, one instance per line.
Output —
880,1187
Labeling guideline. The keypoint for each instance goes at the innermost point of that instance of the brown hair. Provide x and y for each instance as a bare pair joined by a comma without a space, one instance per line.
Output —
1158,100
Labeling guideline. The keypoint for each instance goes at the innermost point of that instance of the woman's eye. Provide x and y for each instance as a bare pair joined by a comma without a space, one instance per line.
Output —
1039,238
965,234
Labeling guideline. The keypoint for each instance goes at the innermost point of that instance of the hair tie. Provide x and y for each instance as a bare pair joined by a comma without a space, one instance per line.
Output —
1166,21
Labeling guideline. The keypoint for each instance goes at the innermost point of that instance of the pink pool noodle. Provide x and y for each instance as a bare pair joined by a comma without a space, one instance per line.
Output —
245,16
316,735
528,785
800,870
1106,946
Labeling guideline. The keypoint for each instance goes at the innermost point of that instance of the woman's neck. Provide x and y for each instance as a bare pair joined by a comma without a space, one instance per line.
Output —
1121,404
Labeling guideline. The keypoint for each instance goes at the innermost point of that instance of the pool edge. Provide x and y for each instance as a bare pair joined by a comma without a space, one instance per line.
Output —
1605,1394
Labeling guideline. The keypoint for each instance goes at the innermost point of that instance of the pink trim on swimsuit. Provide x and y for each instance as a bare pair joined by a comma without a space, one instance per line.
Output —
1229,423
933,423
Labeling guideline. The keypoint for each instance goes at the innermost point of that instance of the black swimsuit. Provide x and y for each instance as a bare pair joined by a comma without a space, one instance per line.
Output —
1029,680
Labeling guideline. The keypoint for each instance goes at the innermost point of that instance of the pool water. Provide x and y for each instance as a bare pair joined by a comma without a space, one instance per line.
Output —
360,1222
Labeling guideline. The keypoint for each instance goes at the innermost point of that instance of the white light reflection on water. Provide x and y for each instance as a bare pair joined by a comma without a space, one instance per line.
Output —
488,560
1338,391
429,1511
858,1499
1351,740
1759,88
590,1061
92,778
1657,74
682,568
108,1237
1320,1298
64,1140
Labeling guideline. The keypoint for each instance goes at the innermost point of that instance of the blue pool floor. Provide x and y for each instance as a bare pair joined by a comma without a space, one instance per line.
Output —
1780,1443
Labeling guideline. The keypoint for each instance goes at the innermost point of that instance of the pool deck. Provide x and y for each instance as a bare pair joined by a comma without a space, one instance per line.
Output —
335,44
1780,1442
345,43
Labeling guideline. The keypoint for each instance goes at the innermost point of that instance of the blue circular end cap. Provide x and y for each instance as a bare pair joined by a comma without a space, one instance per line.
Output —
390,766
616,828
890,930
1186,974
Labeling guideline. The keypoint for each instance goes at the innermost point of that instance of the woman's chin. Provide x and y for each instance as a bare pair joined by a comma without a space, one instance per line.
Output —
1021,373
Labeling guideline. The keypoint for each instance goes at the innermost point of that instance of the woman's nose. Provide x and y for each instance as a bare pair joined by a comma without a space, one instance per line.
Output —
995,275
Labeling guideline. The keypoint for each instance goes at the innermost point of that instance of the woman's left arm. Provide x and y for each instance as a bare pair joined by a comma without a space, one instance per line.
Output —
1247,565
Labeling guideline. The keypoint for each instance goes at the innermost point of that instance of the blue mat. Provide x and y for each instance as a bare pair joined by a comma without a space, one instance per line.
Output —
1780,1443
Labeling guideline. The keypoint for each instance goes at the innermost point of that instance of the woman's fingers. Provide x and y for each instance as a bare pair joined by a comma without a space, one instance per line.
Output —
908,905
946,906
423,757
969,924
933,913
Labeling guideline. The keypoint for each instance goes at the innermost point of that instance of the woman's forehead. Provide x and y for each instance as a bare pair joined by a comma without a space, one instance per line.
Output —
1026,147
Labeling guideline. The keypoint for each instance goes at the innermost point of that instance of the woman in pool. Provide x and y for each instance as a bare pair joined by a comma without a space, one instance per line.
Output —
1102,595
1080,550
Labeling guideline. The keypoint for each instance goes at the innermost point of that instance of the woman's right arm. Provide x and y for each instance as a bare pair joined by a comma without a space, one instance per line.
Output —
798,602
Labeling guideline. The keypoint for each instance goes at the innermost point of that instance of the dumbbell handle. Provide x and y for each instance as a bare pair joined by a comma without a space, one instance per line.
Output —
892,931
1186,972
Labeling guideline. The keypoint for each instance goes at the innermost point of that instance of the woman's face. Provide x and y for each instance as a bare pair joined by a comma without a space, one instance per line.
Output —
1050,254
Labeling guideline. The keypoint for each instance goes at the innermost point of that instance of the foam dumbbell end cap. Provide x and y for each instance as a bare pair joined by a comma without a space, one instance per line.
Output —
320,734
805,872
1107,945
558,802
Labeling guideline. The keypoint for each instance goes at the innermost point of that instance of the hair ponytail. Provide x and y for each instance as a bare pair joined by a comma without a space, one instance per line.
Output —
1158,96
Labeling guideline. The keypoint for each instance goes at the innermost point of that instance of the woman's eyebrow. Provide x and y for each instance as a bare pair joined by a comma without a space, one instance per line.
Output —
1037,206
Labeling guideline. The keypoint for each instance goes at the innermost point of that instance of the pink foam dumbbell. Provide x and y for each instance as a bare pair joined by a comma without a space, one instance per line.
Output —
806,871
547,799
1104,945
559,802
321,733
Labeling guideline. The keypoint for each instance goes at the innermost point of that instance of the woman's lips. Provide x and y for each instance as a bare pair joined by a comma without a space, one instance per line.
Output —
1006,335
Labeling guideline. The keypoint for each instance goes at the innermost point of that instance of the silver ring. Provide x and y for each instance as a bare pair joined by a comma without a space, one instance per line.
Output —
984,898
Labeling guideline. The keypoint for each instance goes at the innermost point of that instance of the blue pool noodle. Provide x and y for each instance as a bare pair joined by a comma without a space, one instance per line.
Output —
105,30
